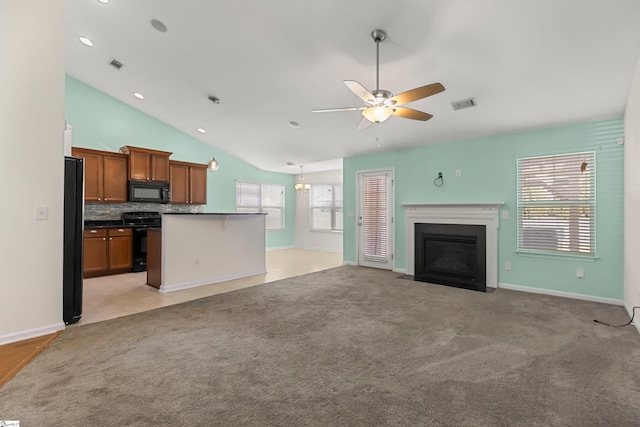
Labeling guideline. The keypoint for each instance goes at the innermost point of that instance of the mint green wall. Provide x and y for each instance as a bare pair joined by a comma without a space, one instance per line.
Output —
102,122
489,175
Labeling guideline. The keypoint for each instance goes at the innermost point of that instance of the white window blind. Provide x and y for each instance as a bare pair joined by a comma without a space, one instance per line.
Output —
556,204
253,197
325,205
374,216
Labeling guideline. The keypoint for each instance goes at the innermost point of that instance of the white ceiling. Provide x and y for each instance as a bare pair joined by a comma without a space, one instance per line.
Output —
528,63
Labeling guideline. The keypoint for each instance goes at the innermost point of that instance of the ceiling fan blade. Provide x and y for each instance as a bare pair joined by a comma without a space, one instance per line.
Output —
329,110
360,91
364,123
409,113
417,93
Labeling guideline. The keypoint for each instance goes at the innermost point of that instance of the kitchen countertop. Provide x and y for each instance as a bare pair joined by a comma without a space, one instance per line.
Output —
113,223
213,213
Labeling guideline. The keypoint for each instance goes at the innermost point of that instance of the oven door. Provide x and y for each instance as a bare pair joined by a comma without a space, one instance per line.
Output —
139,249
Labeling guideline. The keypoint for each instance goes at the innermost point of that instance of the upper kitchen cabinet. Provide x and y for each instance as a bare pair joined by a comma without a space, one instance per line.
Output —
188,183
105,175
146,164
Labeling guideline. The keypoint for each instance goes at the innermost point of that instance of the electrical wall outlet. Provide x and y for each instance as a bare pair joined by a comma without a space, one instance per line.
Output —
196,262
397,254
507,265
458,173
579,273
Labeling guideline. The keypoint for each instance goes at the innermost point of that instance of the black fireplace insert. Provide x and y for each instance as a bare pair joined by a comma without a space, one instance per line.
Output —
451,254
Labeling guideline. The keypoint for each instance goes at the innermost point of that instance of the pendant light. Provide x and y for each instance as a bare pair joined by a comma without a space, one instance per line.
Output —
213,163
300,185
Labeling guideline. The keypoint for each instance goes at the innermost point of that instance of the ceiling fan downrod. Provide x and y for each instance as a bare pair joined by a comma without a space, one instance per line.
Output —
377,36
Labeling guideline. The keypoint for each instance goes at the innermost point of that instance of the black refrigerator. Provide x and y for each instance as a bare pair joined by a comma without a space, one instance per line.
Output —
72,241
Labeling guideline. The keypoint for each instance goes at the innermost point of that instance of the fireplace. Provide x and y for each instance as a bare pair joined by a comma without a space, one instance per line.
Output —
484,214
451,254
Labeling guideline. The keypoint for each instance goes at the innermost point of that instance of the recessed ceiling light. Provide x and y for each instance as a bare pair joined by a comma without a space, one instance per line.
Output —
85,41
294,125
202,130
138,95
104,1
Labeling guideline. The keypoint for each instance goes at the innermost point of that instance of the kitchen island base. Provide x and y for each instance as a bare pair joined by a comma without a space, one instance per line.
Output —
193,250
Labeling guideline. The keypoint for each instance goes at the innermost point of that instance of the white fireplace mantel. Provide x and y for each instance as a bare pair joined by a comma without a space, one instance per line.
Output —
486,214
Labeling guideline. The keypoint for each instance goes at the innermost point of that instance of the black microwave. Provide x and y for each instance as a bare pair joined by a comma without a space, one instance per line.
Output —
149,191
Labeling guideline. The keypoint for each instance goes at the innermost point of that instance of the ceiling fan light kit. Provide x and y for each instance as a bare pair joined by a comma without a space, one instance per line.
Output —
380,104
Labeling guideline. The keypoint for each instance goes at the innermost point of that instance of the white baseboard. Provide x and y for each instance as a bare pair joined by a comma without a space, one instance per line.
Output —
209,281
400,270
636,320
319,249
279,248
31,333
349,263
560,294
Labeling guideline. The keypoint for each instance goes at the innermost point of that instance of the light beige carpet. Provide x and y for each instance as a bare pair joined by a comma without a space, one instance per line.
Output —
346,346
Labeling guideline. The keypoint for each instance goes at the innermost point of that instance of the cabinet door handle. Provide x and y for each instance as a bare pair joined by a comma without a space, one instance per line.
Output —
104,238
110,238
120,230
99,198
93,231
106,198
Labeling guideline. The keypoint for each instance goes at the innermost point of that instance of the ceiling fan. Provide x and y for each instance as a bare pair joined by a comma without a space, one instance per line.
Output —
381,104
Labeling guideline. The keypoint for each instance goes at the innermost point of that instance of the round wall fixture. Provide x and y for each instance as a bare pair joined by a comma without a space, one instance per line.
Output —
159,25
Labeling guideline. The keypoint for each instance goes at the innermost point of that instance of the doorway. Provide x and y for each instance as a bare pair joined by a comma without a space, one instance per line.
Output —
376,219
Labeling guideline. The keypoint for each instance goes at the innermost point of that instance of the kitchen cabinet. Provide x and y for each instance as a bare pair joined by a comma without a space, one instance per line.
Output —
96,255
107,251
146,164
188,183
154,258
105,175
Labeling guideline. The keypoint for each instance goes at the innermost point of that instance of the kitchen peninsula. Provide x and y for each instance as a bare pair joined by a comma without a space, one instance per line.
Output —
196,249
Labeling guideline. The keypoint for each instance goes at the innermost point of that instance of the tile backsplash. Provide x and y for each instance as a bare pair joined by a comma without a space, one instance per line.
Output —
113,211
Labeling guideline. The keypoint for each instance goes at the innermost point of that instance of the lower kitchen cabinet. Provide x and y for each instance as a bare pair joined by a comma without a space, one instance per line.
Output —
107,251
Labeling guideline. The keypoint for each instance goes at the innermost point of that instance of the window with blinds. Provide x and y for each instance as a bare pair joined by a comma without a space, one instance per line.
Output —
556,204
253,197
374,217
325,205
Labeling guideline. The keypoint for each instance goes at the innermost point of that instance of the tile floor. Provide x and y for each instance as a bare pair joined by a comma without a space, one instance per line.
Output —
119,295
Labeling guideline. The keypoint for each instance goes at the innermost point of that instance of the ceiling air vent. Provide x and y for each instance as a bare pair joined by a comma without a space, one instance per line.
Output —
116,64
465,103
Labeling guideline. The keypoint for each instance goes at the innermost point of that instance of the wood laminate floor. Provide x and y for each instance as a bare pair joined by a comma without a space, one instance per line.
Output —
120,295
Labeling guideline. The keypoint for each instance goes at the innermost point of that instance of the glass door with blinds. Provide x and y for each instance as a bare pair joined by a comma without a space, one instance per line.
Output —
375,219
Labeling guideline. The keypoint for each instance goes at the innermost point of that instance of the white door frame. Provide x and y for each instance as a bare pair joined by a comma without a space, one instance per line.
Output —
391,206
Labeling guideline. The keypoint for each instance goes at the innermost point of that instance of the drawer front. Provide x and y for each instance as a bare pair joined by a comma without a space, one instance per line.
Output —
122,231
95,232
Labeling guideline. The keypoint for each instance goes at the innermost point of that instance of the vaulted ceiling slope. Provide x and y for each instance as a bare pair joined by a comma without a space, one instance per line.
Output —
528,63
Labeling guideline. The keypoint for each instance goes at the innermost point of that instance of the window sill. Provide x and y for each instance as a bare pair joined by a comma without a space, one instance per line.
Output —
325,231
558,256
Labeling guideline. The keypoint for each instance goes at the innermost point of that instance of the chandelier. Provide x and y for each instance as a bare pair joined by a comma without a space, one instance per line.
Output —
300,185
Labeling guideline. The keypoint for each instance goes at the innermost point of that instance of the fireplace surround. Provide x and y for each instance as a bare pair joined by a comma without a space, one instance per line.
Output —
486,214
